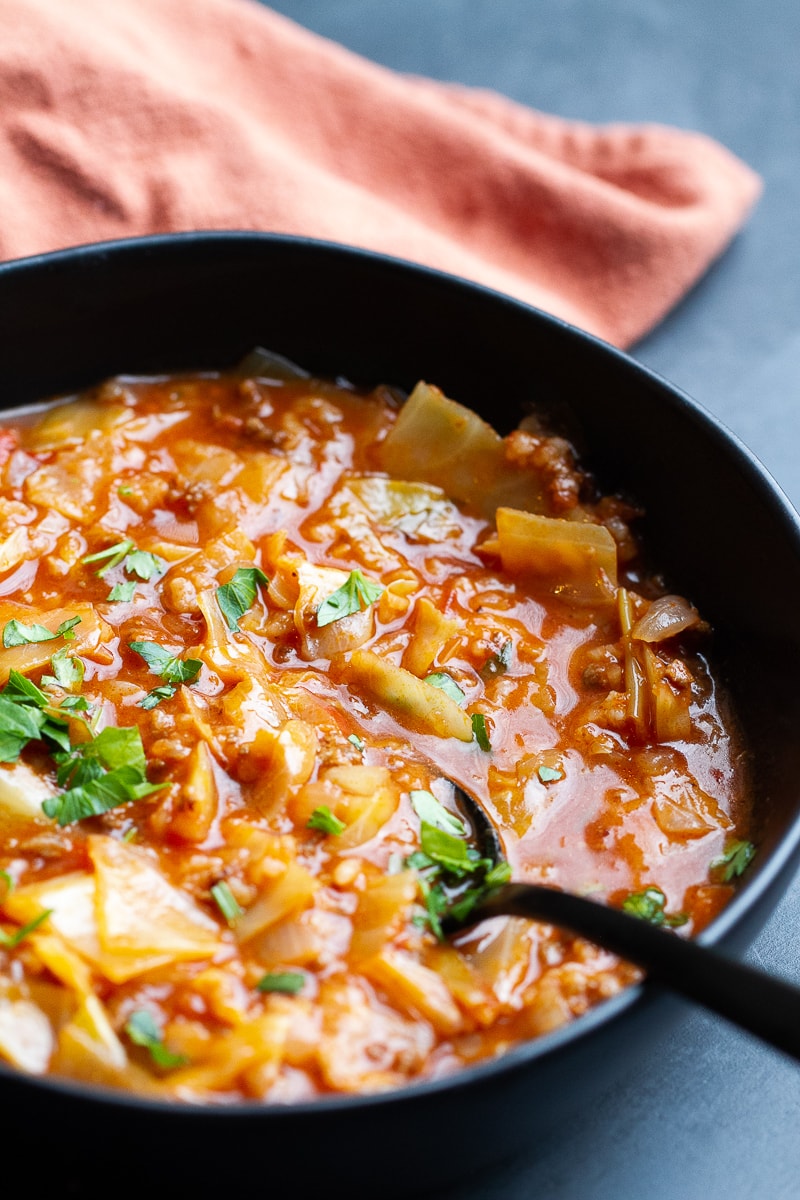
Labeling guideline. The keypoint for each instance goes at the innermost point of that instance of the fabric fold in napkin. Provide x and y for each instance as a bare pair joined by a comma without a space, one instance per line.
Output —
123,117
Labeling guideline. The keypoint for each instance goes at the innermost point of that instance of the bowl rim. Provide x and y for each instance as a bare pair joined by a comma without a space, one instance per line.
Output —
747,895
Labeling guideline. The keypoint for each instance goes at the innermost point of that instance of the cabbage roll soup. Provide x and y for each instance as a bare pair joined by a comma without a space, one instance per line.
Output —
254,625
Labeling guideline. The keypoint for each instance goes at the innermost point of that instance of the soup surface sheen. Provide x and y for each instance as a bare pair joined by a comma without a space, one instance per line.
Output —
251,627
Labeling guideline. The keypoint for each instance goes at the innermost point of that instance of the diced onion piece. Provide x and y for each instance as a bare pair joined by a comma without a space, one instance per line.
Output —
139,912
431,629
415,989
289,893
441,442
61,961
414,703
251,1044
462,981
316,584
14,548
23,790
382,907
197,803
577,559
666,617
72,422
26,1036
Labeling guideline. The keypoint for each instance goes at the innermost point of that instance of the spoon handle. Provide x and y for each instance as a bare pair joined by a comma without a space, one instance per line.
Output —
759,1003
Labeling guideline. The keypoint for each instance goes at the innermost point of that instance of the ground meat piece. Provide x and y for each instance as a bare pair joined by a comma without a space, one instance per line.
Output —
552,458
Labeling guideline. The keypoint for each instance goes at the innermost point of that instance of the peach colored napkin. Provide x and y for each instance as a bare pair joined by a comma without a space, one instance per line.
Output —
122,117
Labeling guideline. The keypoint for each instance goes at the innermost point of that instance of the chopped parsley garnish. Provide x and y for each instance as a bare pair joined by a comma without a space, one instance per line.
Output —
453,875
143,564
164,691
27,715
103,773
141,1028
171,668
549,774
480,731
325,821
110,557
445,683
358,742
123,592
429,810
735,860
237,597
290,982
498,663
355,593
649,905
9,940
140,563
68,671
226,902
17,634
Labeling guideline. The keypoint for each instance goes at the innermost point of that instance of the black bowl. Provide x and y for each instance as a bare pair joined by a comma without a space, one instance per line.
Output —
716,524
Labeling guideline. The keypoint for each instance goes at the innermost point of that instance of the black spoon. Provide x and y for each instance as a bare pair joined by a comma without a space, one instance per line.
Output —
759,1003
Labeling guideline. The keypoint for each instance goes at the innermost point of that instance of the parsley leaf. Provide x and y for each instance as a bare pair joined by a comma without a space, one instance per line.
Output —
355,593
104,773
237,597
143,564
498,663
67,670
290,982
357,741
445,683
226,902
447,850
141,1028
325,821
480,731
17,634
735,860
549,774
123,592
111,557
23,718
649,905
168,666
164,691
428,809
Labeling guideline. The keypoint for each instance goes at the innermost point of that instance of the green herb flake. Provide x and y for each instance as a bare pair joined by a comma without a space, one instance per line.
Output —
9,881
141,1028
226,902
161,662
237,597
68,671
164,691
288,982
480,731
429,810
354,594
98,775
143,564
110,557
324,820
17,634
735,860
358,742
549,774
649,906
123,592
9,940
124,490
445,849
445,683
498,663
